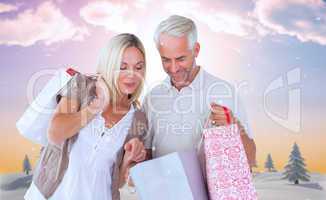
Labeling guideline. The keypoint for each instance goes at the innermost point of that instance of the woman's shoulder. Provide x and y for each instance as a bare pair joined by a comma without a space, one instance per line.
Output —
81,87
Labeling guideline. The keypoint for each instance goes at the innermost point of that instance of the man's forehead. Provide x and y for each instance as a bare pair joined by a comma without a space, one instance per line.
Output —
170,40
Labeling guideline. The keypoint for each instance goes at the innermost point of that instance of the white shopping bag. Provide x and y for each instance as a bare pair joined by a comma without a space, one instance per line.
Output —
35,120
174,176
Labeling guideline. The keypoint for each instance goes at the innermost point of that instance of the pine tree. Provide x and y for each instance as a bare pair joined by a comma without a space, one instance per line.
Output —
26,165
295,169
269,164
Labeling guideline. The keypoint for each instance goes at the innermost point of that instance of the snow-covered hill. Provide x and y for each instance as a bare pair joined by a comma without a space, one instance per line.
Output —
269,187
13,186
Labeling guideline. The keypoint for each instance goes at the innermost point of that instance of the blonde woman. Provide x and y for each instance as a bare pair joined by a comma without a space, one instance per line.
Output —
102,126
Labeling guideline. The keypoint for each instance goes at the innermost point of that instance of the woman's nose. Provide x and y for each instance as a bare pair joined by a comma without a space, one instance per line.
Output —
128,72
131,74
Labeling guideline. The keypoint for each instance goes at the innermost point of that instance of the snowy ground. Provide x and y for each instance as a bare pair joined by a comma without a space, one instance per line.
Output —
269,187
13,186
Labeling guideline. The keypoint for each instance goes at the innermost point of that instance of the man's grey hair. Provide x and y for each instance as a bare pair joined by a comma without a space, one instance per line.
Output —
177,26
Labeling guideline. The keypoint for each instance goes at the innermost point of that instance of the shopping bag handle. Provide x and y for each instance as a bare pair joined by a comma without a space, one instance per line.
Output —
71,71
228,118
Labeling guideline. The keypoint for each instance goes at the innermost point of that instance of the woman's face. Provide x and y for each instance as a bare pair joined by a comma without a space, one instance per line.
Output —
132,70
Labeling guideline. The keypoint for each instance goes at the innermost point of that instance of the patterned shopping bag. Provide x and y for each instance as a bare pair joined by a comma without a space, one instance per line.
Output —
227,170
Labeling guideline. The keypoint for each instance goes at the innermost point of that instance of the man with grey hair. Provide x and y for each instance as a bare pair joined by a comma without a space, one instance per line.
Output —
178,108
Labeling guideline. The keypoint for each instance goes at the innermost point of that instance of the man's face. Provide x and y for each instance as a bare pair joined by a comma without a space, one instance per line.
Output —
177,58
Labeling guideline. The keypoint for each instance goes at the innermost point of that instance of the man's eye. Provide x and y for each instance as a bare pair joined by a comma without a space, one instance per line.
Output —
123,68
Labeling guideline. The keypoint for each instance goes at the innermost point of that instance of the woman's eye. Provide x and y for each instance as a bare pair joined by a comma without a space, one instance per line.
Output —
123,68
139,67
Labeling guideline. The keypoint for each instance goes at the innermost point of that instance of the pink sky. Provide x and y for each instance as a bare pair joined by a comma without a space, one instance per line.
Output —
245,42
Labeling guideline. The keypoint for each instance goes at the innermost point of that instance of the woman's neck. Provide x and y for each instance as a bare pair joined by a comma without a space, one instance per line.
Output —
124,101
121,105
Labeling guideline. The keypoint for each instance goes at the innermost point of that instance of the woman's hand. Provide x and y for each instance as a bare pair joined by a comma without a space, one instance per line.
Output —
102,97
134,151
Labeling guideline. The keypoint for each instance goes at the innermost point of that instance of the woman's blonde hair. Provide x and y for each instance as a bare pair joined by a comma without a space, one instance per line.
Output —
110,61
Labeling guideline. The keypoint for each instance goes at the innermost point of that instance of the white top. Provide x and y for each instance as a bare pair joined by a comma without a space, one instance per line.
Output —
176,118
91,159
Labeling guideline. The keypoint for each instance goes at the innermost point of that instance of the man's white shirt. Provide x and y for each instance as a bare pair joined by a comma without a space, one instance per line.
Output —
176,118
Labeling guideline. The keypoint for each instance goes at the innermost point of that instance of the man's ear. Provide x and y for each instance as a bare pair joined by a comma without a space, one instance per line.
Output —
196,49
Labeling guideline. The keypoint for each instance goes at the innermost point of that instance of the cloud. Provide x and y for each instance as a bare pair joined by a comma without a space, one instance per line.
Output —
304,19
228,23
141,3
44,24
7,7
111,16
215,15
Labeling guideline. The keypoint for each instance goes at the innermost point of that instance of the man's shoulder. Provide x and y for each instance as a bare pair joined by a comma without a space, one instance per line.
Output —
211,80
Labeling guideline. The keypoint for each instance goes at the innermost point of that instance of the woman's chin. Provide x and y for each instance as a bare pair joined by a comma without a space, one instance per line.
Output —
128,92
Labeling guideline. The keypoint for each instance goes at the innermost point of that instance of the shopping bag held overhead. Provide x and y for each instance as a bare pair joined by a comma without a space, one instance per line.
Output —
35,121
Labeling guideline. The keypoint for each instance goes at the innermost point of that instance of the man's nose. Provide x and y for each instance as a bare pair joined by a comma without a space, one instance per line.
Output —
174,67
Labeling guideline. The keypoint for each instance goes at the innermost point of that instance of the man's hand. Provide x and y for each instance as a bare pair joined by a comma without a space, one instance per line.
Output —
220,115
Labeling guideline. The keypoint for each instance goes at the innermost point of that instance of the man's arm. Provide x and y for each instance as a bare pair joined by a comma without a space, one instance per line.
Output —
249,145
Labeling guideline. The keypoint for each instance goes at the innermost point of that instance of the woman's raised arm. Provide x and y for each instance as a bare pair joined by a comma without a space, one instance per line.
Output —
68,120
